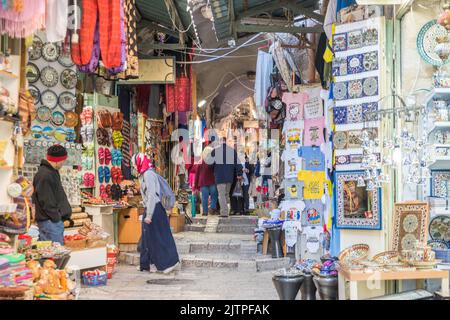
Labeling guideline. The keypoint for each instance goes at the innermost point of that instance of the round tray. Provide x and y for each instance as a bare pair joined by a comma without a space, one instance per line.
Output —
356,252
386,257
426,42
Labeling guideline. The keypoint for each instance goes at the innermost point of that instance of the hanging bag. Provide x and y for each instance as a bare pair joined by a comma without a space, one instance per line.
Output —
237,192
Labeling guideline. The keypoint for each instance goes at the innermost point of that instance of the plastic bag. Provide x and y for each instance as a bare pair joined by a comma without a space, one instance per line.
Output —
237,192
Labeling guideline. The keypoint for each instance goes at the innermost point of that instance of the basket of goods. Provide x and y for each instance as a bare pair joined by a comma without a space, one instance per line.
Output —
50,283
57,253
354,254
94,234
75,242
95,278
327,269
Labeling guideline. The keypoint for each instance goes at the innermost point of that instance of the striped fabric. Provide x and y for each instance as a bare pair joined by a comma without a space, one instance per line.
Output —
126,146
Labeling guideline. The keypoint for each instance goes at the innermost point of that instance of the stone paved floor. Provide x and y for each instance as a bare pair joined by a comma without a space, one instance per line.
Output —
187,284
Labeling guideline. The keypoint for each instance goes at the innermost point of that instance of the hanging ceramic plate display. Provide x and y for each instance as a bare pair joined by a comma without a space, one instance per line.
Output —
49,99
426,42
35,51
43,114
340,91
60,134
50,52
35,93
355,89
69,79
32,72
440,228
58,118
370,86
49,76
65,59
71,119
67,101
47,132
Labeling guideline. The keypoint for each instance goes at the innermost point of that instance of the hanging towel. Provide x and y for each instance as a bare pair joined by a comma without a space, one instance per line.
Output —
330,17
56,20
264,66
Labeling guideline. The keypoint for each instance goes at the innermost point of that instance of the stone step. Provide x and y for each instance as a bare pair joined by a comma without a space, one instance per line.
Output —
130,258
212,247
269,264
195,227
235,229
199,220
239,220
211,224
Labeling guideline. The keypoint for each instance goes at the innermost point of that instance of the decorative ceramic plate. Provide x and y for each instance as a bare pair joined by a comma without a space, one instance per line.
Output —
49,99
355,39
65,59
340,42
425,264
440,228
71,119
47,132
50,52
43,114
340,140
35,93
387,257
67,101
370,36
69,79
58,118
355,89
438,244
370,86
370,61
49,76
340,90
35,51
14,190
356,252
60,134
32,72
426,42
355,64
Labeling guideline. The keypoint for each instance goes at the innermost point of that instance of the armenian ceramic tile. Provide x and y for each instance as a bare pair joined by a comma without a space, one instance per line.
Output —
340,42
355,64
440,184
367,111
354,113
370,61
354,39
340,90
354,139
340,115
339,67
370,36
370,86
355,89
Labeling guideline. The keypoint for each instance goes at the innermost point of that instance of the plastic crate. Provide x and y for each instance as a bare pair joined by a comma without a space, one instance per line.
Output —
443,254
94,281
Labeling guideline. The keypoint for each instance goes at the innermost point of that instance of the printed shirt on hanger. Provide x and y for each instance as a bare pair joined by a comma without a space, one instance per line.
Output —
294,105
292,209
292,164
312,216
291,229
293,189
314,183
313,108
293,131
314,135
312,238
314,158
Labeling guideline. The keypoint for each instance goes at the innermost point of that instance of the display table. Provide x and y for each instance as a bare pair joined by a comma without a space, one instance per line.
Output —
103,216
355,277
87,258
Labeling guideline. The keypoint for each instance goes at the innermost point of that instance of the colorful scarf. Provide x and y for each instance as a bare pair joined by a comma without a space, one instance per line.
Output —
21,24
141,163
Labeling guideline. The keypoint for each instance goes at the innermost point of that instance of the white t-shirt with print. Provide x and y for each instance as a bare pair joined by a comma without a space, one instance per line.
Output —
292,209
292,164
293,132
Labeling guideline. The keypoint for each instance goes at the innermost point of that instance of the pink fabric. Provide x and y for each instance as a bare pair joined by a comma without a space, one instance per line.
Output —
314,135
294,105
25,23
141,162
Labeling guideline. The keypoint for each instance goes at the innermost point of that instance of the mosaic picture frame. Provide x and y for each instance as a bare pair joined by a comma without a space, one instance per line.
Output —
355,207
410,224
440,183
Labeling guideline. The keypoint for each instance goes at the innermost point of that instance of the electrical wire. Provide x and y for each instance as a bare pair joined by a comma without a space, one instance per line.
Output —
213,56
221,81
173,20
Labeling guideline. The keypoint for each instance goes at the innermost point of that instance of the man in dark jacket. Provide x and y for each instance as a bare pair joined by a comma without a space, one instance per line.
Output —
49,198
226,167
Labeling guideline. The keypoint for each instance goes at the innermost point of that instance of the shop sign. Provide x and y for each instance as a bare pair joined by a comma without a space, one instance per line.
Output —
158,70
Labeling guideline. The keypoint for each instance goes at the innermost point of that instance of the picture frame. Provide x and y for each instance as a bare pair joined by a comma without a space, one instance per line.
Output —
440,183
411,221
355,207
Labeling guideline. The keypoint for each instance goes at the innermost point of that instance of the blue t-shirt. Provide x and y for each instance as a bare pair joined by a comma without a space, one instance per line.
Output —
314,158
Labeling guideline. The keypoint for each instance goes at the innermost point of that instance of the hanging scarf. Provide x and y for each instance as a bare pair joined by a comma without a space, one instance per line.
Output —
21,24
141,163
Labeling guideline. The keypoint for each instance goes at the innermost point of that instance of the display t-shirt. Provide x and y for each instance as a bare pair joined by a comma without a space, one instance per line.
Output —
313,108
314,183
314,158
314,135
312,216
293,131
294,105
312,238
292,164
293,189
292,209
291,229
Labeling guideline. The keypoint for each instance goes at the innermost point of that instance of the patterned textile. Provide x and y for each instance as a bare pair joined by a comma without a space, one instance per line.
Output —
23,23
95,58
126,146
108,14
142,98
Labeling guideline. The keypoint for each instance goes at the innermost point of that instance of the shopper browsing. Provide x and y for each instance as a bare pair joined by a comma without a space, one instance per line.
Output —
158,250
49,198
204,180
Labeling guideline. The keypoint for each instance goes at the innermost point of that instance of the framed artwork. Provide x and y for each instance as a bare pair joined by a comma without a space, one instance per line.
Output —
410,225
440,183
355,207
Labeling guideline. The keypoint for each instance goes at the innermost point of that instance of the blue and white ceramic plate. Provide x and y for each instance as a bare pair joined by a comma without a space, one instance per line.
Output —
426,42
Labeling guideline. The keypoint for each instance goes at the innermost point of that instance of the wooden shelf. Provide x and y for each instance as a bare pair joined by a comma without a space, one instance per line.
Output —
7,74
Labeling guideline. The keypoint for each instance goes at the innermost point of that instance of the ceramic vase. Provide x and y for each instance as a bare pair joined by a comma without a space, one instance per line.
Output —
287,286
327,287
308,288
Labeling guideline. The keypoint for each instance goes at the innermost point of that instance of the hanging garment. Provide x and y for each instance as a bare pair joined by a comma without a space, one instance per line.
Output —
319,62
264,66
26,111
330,17
108,14
56,20
21,24
183,94
154,110
95,57
123,43
142,97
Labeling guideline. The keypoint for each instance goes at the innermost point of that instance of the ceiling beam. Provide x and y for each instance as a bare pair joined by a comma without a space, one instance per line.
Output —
299,9
173,11
263,28
267,7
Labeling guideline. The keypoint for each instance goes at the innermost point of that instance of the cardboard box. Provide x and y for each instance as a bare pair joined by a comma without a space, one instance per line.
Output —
176,223
129,225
